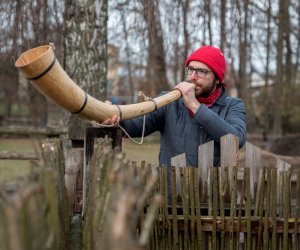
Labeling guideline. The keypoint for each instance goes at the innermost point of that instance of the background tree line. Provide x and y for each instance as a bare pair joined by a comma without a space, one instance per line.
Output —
153,39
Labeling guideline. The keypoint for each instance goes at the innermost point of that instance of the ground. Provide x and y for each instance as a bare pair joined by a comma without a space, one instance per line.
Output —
286,149
287,145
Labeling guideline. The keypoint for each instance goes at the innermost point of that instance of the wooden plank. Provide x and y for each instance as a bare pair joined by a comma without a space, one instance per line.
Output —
229,152
205,161
253,161
229,158
198,214
185,205
261,208
73,181
240,236
11,155
273,204
210,203
267,209
232,206
191,176
30,131
281,167
215,207
52,152
178,161
174,208
167,196
248,208
286,207
296,232
222,211
280,203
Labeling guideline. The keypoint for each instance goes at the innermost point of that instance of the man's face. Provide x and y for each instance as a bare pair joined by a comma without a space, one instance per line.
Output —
204,84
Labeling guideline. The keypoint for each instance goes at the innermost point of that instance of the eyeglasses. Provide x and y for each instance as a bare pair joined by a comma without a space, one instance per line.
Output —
201,73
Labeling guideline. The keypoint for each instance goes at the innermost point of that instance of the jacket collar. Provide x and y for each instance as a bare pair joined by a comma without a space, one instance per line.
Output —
221,100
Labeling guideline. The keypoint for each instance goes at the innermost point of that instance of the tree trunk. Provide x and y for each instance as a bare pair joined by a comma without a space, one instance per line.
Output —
37,103
223,24
266,100
288,89
128,62
278,88
186,46
243,84
156,80
86,52
207,9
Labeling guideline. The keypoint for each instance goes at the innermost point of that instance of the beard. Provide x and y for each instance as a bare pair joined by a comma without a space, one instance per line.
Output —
204,91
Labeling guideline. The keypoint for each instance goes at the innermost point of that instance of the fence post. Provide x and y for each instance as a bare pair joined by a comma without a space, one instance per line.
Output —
178,161
91,133
73,176
229,159
253,161
205,161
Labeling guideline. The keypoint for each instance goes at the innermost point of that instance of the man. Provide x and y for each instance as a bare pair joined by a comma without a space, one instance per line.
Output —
204,112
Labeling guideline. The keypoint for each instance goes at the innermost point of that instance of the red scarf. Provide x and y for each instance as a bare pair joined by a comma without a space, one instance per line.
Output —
210,100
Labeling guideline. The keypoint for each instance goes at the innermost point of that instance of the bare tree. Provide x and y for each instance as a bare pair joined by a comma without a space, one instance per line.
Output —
38,103
156,65
278,96
223,24
207,11
244,46
85,51
127,50
186,45
266,122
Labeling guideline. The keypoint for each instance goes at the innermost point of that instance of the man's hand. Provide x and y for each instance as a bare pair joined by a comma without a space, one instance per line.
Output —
115,120
188,94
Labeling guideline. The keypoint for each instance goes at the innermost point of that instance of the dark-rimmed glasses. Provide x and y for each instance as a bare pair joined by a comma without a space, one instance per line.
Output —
201,73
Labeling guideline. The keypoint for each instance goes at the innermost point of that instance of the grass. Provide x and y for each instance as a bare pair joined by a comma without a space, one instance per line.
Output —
11,170
146,152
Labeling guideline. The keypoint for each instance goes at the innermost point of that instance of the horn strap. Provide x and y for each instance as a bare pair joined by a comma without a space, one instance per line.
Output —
120,111
83,105
155,104
44,72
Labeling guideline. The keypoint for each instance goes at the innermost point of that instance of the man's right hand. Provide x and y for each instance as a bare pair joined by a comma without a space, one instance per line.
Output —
115,120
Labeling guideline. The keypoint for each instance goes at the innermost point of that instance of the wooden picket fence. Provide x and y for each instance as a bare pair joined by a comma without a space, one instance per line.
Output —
230,207
33,210
130,205
228,217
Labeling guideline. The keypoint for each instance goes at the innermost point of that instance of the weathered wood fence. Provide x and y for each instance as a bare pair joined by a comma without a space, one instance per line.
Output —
129,205
34,211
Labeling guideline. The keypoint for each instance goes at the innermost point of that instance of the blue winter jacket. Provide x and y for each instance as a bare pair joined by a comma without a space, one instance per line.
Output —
182,133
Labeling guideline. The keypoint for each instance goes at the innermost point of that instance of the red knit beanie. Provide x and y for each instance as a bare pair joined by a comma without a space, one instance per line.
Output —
212,57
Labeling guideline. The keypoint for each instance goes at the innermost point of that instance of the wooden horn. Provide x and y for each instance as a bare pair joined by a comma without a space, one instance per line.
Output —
40,66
